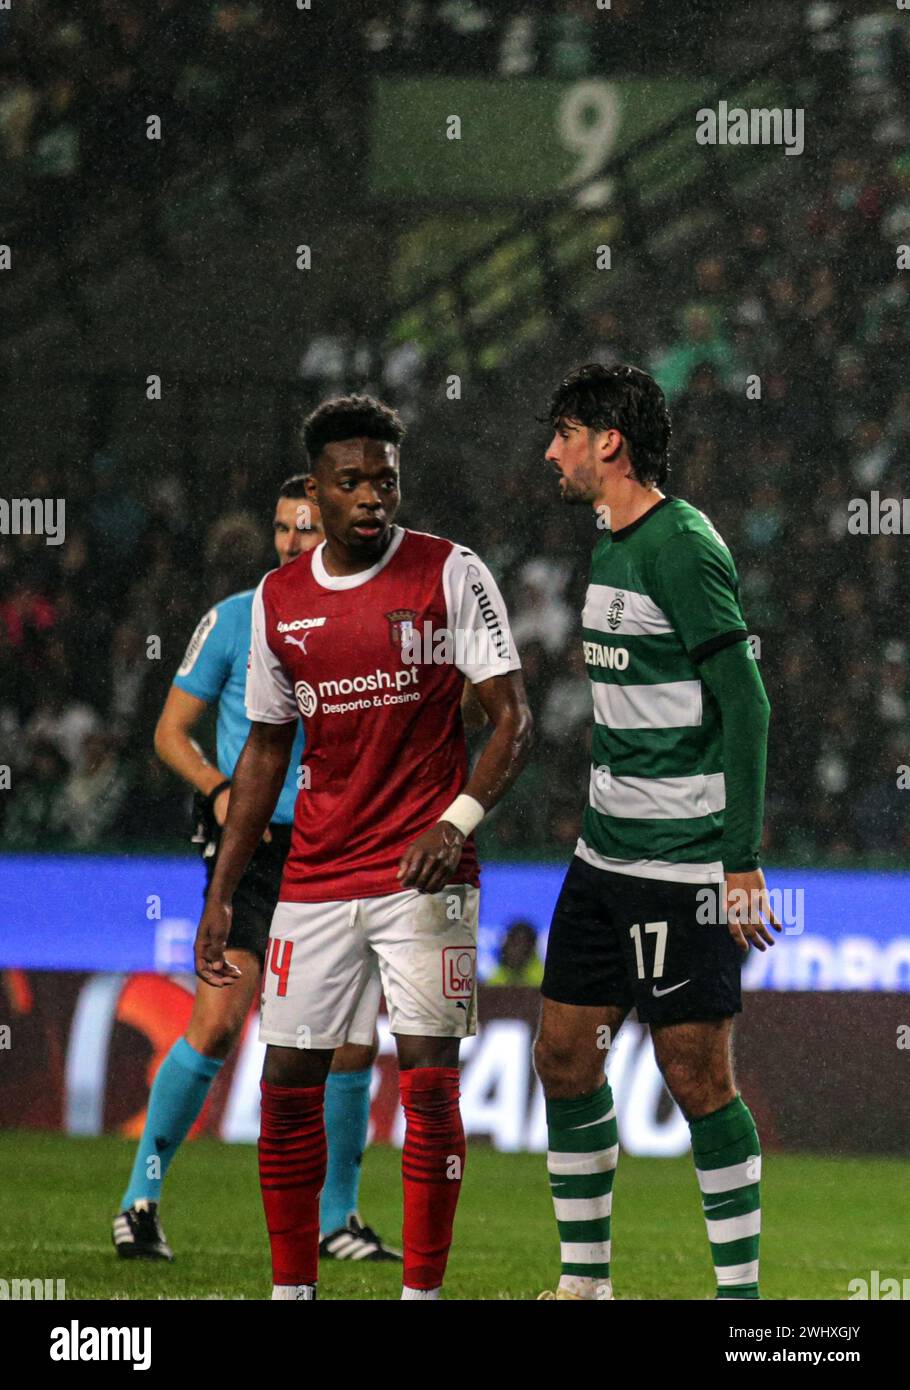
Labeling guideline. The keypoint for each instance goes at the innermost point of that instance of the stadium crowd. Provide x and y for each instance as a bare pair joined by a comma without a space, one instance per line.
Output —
807,297
77,84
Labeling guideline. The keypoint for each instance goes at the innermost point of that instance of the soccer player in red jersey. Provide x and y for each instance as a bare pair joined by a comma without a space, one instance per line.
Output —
369,637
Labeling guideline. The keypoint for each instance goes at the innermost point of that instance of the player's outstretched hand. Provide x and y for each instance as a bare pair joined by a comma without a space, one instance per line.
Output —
211,939
748,910
429,863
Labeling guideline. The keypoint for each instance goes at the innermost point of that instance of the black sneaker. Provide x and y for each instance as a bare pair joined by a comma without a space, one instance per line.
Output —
357,1242
137,1233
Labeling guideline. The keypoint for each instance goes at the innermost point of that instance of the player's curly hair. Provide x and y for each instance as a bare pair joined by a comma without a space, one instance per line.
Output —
350,417
619,398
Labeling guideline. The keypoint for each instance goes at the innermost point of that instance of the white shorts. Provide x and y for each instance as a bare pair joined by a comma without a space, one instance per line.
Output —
326,962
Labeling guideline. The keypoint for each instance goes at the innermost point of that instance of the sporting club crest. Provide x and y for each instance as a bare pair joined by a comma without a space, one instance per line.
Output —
615,611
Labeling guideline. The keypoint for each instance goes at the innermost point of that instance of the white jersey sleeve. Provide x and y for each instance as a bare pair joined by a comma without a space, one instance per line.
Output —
269,694
477,618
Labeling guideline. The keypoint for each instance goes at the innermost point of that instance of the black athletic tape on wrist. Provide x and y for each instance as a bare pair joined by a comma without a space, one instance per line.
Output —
214,794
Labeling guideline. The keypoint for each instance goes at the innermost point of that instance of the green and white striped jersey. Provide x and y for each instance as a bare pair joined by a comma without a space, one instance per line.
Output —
663,595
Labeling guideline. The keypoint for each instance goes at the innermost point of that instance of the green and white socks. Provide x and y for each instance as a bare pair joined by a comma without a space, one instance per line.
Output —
727,1158
583,1147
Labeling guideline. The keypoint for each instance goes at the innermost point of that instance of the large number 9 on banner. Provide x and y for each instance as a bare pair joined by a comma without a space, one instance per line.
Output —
588,123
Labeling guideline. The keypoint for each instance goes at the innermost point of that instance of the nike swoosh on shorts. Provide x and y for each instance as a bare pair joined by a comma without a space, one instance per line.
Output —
659,992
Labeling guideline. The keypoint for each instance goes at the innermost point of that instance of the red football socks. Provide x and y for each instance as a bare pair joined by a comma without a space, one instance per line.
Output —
292,1164
432,1164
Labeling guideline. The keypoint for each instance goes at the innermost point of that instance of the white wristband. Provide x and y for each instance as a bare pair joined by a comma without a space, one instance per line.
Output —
465,813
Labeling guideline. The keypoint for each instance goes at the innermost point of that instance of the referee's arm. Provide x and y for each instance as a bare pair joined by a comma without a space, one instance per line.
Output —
181,753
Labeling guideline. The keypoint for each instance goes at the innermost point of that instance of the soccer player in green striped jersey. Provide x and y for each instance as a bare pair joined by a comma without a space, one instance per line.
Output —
664,894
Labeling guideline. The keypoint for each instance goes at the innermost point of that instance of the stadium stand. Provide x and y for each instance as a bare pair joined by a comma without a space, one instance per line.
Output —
163,521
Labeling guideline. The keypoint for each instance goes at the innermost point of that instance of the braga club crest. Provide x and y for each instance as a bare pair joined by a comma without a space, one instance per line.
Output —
401,627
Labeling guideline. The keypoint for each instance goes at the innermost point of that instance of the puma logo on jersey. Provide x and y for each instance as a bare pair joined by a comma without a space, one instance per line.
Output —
297,641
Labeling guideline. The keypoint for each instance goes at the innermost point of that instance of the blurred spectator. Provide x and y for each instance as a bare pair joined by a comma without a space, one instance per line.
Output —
64,722
18,103
93,795
701,341
567,707
116,517
541,614
129,672
35,816
519,960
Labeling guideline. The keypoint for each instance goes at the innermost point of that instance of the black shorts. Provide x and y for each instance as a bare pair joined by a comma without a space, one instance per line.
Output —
257,893
635,942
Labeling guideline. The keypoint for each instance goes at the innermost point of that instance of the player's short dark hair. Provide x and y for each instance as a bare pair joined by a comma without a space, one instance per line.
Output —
350,417
294,486
619,398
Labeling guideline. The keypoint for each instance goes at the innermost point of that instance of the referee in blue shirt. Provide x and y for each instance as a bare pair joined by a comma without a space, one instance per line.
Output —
214,669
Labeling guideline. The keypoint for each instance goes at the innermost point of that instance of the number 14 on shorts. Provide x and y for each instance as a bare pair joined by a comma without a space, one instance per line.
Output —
278,962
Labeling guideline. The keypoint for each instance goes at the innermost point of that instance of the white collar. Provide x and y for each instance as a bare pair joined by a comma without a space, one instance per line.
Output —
353,581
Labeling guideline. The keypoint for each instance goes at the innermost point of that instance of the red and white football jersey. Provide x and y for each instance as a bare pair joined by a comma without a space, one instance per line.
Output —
385,749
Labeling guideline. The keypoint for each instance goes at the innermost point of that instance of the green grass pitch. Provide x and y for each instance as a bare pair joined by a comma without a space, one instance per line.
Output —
826,1220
